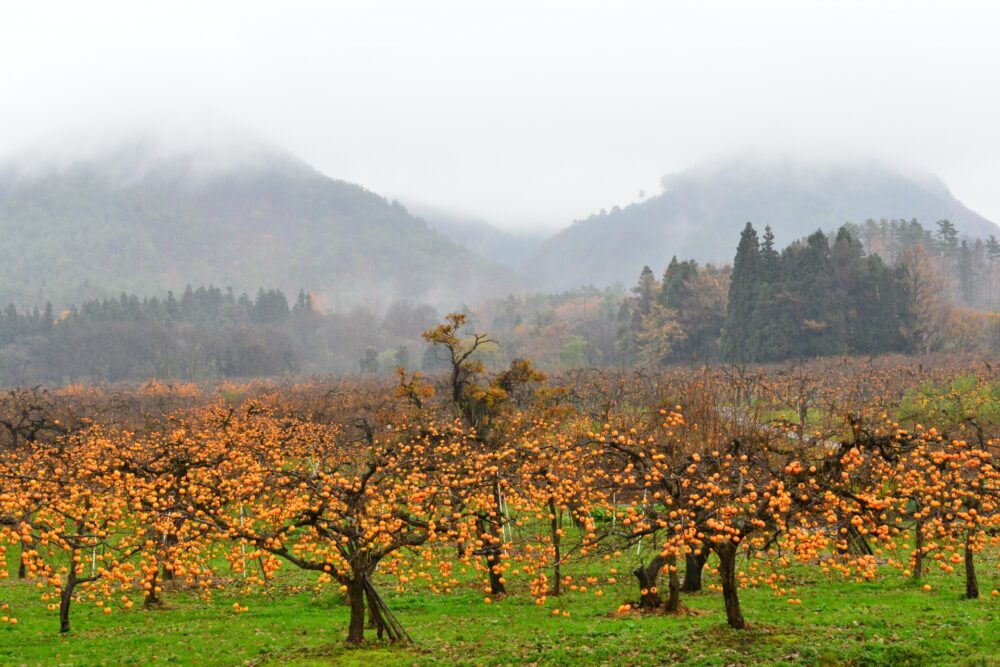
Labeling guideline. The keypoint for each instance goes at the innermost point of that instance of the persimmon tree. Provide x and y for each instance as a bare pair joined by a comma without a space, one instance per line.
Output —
494,411
335,500
81,535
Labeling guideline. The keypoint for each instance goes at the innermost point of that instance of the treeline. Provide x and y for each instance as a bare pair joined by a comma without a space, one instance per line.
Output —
873,288
207,332
201,305
813,299
204,333
818,297
679,318
970,268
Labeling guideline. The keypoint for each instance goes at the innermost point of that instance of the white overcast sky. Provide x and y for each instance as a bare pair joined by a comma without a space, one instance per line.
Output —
525,113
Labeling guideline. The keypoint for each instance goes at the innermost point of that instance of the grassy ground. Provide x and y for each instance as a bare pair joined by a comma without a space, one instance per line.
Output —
888,622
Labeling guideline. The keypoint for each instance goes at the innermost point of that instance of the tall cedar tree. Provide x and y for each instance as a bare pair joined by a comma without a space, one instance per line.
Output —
813,300
743,295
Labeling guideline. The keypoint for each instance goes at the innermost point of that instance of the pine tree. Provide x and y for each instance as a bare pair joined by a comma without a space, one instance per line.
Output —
993,248
822,327
645,292
743,297
676,285
303,304
947,236
769,257
633,313
685,291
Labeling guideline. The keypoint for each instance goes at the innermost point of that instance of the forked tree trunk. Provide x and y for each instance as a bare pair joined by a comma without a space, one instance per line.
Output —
22,569
971,582
694,566
730,591
649,595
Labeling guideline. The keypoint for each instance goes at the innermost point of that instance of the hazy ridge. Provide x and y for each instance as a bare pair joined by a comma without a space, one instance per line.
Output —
135,220
247,214
700,211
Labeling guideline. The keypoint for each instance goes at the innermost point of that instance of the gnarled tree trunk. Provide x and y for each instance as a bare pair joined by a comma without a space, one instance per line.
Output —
649,595
694,566
730,591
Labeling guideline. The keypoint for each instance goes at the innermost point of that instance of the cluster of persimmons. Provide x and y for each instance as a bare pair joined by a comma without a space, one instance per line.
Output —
541,486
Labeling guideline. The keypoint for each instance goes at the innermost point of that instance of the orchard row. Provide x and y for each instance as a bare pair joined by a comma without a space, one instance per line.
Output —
543,486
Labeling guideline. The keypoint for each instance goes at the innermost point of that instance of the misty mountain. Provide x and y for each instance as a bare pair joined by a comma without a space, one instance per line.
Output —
507,248
701,211
142,220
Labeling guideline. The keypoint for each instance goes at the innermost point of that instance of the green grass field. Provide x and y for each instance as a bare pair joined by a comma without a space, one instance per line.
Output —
888,622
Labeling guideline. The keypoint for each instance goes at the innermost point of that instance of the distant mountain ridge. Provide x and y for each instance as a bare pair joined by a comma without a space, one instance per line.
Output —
507,248
701,211
246,214
133,219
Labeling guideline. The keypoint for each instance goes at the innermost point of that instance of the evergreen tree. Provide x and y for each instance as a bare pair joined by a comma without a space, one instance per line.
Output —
993,248
633,313
947,236
675,289
303,304
966,280
769,257
271,307
645,292
743,295
626,343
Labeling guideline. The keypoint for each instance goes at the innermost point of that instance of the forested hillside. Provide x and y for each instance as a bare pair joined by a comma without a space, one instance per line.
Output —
142,221
506,248
819,296
701,210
